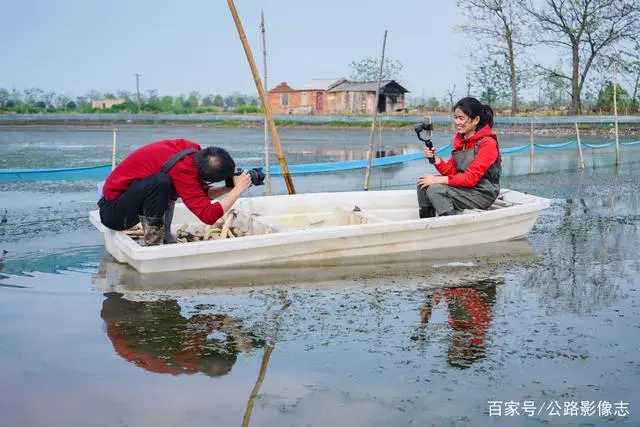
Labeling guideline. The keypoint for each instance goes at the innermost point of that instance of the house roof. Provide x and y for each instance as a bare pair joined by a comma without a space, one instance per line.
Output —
282,87
348,86
322,84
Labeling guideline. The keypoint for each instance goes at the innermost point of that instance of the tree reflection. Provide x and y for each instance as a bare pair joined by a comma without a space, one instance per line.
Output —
587,252
155,336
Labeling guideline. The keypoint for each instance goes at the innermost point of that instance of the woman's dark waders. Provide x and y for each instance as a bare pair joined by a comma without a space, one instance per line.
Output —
442,199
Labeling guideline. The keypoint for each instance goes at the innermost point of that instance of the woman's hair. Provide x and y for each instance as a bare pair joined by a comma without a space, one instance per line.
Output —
474,108
214,164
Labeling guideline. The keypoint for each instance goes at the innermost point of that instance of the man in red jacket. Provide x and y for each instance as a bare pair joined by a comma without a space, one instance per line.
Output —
144,187
471,177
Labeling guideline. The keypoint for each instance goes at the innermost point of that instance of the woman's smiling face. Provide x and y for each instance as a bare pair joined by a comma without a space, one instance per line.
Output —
465,124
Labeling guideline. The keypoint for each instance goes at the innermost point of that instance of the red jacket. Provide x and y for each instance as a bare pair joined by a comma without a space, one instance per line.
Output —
487,155
476,308
185,359
147,160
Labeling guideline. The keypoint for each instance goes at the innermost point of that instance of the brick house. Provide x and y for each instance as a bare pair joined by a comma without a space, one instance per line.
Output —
310,98
107,103
337,96
360,97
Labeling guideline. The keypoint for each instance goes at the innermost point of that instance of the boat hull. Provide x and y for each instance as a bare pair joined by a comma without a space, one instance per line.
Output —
354,227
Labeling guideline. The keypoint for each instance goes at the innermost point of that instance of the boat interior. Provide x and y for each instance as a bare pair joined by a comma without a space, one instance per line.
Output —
277,214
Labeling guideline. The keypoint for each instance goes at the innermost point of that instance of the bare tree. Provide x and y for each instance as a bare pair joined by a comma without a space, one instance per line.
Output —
586,28
497,25
630,65
367,69
489,77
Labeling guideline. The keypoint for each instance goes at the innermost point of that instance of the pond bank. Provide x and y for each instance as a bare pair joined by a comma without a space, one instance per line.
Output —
586,129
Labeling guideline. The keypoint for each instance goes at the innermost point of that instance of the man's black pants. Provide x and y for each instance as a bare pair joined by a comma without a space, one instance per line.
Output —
146,197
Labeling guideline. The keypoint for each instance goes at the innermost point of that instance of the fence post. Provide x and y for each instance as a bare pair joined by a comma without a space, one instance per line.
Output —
615,114
579,147
113,150
531,160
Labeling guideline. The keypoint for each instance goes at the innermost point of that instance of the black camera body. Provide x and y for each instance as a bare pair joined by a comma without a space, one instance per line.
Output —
427,126
257,177
424,126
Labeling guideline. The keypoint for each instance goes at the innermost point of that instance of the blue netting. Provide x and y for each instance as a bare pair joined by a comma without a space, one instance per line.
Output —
102,171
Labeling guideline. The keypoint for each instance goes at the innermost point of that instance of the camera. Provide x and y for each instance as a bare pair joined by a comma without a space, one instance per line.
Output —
257,177
424,126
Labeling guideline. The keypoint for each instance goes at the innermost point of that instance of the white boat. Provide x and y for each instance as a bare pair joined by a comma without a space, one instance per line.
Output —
328,229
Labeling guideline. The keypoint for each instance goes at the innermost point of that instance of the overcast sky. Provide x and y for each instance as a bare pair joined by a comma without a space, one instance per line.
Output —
74,46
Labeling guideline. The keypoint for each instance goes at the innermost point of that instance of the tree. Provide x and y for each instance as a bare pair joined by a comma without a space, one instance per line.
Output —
555,90
497,25
586,28
63,100
207,101
489,77
368,69
630,65
433,103
166,103
194,98
218,101
4,97
605,97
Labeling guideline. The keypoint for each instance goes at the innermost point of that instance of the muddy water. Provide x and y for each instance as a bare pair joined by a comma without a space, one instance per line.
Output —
450,340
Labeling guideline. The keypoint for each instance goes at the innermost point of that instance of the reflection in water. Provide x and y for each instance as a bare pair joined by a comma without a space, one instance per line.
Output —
470,312
593,244
346,155
155,336
115,277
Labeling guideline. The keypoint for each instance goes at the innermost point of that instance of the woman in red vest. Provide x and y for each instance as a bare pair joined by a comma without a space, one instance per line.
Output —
470,179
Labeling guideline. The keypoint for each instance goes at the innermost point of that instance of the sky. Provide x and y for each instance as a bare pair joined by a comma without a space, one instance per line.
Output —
75,46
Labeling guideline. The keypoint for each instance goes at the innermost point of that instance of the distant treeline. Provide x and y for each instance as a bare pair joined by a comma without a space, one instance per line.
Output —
35,100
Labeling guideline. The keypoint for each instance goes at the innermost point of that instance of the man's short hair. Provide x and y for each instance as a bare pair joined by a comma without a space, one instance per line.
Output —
214,164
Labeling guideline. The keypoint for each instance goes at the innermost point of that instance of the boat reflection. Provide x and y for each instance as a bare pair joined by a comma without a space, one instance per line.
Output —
157,337
470,310
115,277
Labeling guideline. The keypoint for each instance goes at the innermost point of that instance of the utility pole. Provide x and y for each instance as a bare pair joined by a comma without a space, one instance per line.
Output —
138,89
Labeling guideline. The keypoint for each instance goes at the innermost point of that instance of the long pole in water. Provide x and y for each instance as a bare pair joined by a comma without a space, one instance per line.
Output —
113,150
615,114
531,142
375,117
267,180
579,146
246,419
267,110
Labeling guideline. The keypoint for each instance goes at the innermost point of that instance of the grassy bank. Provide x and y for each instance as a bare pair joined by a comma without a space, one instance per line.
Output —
388,125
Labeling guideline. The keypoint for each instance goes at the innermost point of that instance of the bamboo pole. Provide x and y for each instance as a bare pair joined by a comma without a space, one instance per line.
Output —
113,150
267,110
615,114
267,167
531,157
579,147
375,116
246,419
379,135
